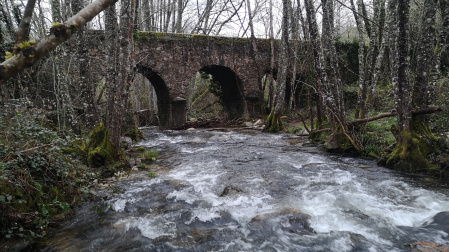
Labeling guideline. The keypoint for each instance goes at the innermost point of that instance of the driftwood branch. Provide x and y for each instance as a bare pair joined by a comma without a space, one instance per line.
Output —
58,35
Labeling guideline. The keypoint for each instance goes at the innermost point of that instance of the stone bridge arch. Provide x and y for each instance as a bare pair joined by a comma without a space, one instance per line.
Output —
175,58
162,93
170,60
231,89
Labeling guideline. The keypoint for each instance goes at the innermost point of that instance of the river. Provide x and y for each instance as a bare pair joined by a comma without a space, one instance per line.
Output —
251,191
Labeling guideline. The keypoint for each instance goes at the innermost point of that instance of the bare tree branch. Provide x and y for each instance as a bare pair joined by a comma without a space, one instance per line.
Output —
26,57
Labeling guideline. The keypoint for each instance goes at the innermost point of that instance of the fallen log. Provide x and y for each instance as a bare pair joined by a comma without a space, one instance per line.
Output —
394,113
425,111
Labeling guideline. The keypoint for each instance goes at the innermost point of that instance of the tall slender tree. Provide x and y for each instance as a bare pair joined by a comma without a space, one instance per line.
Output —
274,122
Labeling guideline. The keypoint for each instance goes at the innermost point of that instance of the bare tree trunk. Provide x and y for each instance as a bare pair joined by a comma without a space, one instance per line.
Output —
119,76
207,15
403,89
425,59
362,85
271,87
443,38
16,12
87,90
56,10
137,15
168,10
295,35
274,122
382,41
255,54
179,19
24,27
333,86
118,86
147,15
6,19
317,53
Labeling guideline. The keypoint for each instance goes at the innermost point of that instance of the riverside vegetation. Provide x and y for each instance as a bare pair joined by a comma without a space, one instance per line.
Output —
46,171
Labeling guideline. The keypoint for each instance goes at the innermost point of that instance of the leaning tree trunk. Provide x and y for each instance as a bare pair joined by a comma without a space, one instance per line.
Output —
274,122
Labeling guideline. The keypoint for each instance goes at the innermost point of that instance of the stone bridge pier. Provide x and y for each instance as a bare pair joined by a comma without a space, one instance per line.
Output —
169,61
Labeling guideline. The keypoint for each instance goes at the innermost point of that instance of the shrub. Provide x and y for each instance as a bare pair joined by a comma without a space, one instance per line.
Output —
38,182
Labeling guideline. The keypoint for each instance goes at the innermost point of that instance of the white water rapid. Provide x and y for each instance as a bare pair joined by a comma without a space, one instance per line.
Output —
250,191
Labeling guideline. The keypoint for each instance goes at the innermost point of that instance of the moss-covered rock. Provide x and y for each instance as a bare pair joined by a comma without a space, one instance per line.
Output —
410,153
99,147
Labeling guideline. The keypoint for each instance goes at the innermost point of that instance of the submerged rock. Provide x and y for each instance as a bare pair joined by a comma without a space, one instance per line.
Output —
230,190
290,219
439,222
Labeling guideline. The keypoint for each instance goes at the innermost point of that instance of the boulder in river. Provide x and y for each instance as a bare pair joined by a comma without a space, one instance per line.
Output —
424,246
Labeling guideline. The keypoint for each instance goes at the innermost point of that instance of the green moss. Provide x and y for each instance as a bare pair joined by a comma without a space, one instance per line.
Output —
8,55
409,153
74,27
274,122
99,148
140,148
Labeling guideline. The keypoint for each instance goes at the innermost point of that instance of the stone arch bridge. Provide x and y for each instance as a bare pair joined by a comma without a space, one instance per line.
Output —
169,61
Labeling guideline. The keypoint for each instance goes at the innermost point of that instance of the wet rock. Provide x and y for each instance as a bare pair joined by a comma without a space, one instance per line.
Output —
190,129
424,246
230,190
289,219
279,212
249,124
439,222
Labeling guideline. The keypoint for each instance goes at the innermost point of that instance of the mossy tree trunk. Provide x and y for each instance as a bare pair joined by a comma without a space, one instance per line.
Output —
414,139
409,153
